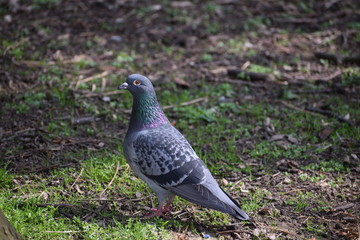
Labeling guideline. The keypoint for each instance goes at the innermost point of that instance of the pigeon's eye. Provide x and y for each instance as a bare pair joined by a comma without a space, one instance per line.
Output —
136,82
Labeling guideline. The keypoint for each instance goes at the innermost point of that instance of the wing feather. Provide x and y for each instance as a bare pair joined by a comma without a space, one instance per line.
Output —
167,158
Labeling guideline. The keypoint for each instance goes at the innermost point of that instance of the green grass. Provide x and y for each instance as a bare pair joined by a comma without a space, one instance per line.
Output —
21,203
227,131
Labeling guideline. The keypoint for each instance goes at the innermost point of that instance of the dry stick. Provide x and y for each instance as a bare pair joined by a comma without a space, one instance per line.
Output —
287,232
298,109
294,190
92,94
72,185
69,231
116,172
100,75
187,103
230,231
181,104
329,114
238,81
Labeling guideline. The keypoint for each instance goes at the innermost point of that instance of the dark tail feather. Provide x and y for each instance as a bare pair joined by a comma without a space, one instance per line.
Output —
203,196
240,214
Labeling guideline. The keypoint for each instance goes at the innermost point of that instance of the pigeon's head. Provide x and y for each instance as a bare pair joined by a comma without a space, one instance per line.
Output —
137,84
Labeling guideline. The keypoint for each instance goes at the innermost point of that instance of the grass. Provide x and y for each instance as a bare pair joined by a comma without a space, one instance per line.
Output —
213,128
21,203
230,131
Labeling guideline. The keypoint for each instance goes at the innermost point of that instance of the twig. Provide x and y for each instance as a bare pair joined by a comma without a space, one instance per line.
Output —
343,207
100,75
82,120
77,178
329,114
298,109
230,231
15,134
187,103
111,181
238,81
111,93
181,104
69,231
294,190
94,94
286,231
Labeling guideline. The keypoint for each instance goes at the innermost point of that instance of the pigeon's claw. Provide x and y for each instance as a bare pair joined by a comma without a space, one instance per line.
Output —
159,212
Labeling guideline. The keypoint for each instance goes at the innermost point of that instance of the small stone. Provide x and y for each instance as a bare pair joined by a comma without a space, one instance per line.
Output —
8,18
116,39
106,99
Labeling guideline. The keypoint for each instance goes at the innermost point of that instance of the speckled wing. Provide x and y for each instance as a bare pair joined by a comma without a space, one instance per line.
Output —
167,158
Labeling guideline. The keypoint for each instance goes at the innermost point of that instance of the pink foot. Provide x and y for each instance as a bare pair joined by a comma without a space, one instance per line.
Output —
159,212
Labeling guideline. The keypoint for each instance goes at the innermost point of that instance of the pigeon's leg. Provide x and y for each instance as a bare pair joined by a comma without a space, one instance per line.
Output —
168,202
162,209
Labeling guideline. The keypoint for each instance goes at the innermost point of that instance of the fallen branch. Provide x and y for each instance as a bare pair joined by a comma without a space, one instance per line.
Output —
88,79
187,103
181,104
329,114
238,81
286,232
95,94
82,120
298,109
342,207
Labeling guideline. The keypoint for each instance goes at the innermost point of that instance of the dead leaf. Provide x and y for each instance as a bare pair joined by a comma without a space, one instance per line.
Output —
181,82
265,211
325,132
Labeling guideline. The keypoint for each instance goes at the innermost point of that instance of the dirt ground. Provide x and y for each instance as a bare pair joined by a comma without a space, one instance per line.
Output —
310,42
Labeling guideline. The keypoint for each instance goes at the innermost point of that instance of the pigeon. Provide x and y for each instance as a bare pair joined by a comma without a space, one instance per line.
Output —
161,156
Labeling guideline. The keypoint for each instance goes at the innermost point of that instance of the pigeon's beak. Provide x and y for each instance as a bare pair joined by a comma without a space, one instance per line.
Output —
124,85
